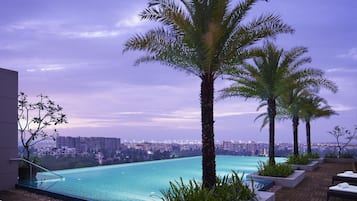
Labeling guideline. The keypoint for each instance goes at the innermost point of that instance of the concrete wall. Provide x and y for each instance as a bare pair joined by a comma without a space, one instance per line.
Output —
8,128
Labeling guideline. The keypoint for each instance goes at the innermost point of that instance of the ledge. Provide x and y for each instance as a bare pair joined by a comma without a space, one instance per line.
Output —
265,196
320,160
308,167
290,182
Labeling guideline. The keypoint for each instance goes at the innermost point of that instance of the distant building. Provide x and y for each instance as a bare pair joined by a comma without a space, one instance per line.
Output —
88,144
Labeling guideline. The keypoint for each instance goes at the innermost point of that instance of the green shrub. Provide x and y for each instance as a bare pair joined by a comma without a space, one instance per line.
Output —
330,155
302,159
343,155
313,155
230,188
346,155
277,170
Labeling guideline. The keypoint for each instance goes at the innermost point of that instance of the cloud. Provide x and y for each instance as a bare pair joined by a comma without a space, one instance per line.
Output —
83,122
149,120
342,108
27,25
92,34
64,29
44,68
144,109
352,54
228,114
341,70
128,113
133,21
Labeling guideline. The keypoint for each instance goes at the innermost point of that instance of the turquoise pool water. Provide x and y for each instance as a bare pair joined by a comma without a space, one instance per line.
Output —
138,181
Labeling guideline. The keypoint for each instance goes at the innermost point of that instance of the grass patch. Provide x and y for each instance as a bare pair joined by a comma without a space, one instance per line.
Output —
313,155
302,159
277,170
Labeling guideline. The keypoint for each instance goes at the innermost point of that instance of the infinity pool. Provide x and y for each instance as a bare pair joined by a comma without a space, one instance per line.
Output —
137,181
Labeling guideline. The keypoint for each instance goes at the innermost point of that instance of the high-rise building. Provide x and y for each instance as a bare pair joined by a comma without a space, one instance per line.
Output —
85,144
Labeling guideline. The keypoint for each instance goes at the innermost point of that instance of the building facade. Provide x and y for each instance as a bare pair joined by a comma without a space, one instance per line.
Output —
8,128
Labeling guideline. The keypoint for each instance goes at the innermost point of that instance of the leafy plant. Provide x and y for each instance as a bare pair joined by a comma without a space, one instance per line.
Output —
302,159
230,187
274,170
330,155
313,155
34,120
341,132
346,155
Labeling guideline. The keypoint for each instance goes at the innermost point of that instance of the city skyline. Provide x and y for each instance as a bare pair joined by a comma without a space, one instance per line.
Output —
72,52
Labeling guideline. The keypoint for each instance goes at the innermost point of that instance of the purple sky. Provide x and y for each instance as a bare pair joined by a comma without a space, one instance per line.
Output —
71,50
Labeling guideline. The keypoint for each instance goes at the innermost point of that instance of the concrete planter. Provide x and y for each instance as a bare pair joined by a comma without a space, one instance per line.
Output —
265,196
308,167
320,160
290,182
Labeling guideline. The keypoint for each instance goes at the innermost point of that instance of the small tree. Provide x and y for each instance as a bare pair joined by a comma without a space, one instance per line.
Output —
34,120
339,132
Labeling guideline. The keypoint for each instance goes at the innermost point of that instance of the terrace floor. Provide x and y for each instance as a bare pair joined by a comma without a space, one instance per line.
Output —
312,188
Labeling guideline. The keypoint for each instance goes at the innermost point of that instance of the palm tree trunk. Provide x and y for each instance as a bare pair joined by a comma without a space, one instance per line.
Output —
308,137
208,147
272,114
295,131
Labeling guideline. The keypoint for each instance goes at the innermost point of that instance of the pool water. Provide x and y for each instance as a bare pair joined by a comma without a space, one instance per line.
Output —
138,181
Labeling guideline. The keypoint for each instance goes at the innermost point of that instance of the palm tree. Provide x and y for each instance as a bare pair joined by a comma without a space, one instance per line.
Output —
290,106
314,107
267,80
301,86
204,38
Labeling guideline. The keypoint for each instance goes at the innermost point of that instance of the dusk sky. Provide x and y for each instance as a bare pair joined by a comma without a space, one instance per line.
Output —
71,50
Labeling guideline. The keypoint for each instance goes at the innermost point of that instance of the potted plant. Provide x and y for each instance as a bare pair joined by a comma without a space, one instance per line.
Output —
302,162
281,173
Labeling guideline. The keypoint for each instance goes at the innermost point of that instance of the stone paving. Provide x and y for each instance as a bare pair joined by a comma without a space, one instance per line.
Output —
312,188
22,195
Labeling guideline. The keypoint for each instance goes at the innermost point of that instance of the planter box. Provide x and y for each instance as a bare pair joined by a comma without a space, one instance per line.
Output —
290,182
265,196
320,160
308,167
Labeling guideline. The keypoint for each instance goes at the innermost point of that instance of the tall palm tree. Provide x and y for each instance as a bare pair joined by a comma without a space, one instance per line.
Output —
290,106
314,107
205,38
266,80
301,86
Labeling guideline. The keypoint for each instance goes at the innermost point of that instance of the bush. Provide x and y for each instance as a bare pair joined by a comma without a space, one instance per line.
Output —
343,155
330,155
346,155
277,170
302,159
313,155
230,188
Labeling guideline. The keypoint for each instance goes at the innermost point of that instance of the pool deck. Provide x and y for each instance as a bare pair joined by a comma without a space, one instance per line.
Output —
313,187
22,195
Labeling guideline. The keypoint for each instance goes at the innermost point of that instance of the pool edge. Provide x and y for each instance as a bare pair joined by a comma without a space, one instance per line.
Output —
48,193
